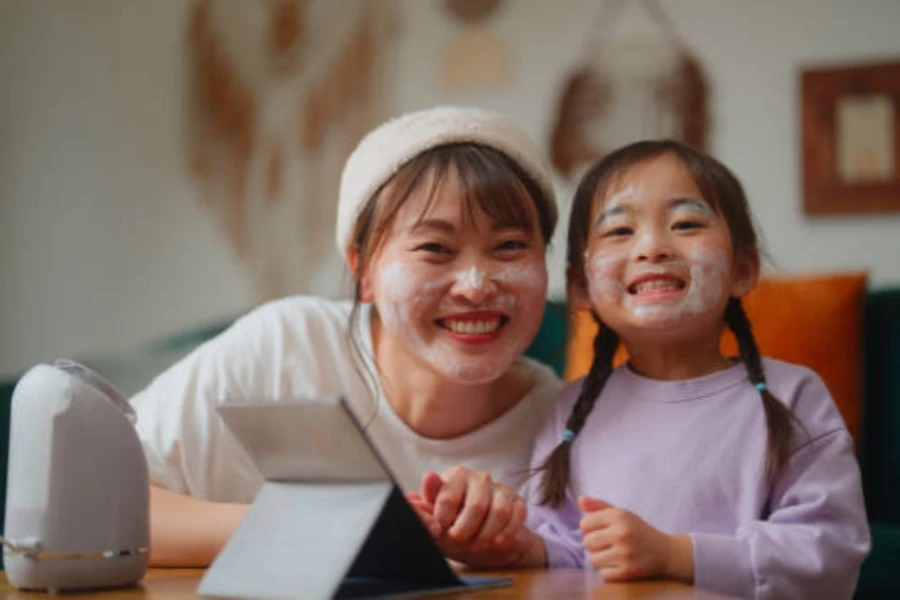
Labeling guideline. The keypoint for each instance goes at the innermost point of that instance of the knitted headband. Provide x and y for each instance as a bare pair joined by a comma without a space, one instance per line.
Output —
388,147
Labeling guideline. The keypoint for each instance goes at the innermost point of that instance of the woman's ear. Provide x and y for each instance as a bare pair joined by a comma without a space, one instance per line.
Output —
365,286
746,272
576,290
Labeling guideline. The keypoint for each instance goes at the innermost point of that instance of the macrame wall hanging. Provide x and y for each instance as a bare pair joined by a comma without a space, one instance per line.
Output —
475,56
279,92
628,87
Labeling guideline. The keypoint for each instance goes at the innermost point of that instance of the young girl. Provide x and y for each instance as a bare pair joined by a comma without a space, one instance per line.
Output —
735,474
444,217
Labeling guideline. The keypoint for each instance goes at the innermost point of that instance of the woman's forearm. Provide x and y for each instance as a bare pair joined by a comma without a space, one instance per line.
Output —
187,532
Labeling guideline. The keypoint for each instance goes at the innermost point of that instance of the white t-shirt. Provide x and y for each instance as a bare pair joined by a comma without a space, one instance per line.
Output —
298,348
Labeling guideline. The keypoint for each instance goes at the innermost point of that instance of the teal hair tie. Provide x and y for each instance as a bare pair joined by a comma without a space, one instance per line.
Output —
568,436
761,386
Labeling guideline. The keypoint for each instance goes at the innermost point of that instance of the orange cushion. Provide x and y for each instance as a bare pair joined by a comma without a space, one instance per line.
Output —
812,320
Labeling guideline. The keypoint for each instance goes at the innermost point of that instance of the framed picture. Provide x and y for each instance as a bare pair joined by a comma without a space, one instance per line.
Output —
851,139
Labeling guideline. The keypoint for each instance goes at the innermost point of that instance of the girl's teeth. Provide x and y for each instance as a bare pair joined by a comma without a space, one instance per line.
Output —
656,284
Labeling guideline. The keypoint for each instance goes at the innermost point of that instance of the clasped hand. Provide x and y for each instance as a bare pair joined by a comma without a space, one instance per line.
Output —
476,520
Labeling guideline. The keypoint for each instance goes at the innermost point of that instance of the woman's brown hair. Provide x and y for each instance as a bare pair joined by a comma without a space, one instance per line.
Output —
726,195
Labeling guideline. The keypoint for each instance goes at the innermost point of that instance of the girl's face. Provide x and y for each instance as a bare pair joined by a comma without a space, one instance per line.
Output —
659,259
462,298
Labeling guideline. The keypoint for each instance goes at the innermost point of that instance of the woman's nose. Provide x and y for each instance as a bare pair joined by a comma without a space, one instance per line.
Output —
473,285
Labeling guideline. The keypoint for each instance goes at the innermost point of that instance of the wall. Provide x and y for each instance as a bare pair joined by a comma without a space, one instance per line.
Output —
103,244
751,51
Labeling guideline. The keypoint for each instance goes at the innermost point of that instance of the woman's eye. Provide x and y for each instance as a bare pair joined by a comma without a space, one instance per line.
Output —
512,245
433,248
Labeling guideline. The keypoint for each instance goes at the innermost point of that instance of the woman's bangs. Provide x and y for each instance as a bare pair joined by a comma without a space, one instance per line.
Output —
491,187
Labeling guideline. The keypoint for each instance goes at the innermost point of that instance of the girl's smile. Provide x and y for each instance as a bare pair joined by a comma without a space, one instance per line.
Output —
659,257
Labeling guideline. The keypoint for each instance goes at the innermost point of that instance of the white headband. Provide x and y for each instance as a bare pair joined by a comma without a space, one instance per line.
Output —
391,145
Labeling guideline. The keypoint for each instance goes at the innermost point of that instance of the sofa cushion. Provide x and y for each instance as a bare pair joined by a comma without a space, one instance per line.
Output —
881,441
813,320
878,577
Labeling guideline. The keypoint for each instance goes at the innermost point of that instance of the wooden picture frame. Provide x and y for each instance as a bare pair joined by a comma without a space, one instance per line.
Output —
851,139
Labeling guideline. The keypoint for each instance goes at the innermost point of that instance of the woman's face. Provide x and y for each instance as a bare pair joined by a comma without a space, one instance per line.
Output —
659,258
463,298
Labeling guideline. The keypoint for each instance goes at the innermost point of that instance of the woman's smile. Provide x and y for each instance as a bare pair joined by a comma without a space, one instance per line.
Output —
474,327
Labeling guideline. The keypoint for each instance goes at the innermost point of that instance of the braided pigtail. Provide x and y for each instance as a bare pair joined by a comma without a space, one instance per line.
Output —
556,467
779,418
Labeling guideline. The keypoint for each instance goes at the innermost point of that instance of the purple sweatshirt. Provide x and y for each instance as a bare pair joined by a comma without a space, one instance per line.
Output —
689,457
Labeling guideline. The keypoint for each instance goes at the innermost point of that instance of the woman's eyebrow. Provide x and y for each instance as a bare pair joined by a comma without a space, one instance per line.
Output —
436,225
511,223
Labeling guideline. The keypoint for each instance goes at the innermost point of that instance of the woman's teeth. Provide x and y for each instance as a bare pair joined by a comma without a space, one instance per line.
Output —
472,327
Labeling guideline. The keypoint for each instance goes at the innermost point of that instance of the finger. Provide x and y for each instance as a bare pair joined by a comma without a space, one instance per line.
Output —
597,520
421,505
507,535
588,504
598,541
501,511
431,485
475,507
423,510
605,560
449,499
619,572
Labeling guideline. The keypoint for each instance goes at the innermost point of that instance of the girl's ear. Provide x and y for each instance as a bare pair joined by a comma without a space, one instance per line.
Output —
746,272
365,285
576,290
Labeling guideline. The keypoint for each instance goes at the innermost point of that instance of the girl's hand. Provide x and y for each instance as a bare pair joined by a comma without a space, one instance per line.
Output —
623,547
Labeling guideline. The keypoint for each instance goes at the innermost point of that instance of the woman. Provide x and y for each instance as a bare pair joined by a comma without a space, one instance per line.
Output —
444,217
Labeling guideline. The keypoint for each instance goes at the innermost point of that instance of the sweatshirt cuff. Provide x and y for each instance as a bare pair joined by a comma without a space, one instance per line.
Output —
723,564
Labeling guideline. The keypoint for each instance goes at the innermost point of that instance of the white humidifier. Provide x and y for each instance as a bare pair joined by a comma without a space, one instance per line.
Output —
77,495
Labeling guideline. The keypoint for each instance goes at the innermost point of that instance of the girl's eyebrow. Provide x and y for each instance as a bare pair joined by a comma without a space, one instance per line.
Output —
691,203
672,205
612,211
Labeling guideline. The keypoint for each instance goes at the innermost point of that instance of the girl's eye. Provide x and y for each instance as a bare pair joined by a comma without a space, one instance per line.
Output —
618,232
681,225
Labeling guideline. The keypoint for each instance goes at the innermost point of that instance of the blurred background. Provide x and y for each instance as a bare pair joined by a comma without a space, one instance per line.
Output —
166,164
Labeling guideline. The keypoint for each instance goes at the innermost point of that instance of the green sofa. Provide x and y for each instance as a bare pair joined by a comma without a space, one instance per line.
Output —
880,455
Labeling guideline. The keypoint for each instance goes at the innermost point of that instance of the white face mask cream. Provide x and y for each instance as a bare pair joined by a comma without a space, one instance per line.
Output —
429,313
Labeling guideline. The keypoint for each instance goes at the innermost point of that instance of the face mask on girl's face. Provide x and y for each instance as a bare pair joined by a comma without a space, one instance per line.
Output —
658,257
463,298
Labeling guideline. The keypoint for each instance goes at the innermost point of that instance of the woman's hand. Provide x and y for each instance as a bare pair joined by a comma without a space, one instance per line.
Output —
476,520
623,547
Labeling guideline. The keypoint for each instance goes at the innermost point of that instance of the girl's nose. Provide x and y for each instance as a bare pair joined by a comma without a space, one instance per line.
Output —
653,247
473,285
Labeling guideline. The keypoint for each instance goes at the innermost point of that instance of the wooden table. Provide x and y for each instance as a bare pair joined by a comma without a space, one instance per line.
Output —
557,583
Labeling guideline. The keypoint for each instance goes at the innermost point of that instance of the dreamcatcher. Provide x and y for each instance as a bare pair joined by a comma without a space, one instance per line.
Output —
628,88
279,92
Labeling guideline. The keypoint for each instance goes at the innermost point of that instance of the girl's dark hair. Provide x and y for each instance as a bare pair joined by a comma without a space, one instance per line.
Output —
726,195
490,182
